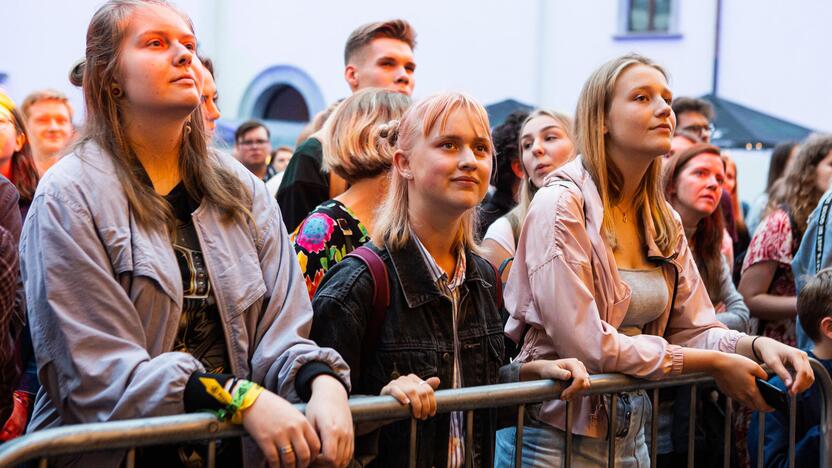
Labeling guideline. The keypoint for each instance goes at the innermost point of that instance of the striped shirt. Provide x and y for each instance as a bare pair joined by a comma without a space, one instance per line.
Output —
450,288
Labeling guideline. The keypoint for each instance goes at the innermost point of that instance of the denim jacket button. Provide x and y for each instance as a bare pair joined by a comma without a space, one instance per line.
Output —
446,357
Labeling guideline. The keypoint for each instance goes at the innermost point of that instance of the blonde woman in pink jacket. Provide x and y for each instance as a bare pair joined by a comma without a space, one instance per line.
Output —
603,274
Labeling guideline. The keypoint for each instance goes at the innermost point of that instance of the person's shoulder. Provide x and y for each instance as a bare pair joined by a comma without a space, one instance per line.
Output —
311,147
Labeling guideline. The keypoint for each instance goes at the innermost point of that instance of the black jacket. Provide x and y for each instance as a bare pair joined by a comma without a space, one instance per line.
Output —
417,337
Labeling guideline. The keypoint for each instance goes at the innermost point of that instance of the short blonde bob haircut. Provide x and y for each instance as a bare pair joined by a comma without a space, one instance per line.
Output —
590,117
351,146
393,224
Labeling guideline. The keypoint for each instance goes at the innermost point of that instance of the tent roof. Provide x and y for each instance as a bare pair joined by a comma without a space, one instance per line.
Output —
738,126
498,111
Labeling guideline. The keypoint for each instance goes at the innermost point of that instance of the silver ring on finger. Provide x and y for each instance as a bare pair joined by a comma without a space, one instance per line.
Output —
286,450
424,382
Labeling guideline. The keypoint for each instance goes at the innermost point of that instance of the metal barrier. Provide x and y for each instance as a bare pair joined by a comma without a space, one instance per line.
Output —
132,434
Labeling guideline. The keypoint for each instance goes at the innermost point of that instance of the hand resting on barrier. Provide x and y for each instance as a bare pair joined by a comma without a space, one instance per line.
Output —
561,369
412,390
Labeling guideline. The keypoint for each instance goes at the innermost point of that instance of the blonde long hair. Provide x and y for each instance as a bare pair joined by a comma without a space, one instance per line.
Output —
393,223
517,215
590,117
202,174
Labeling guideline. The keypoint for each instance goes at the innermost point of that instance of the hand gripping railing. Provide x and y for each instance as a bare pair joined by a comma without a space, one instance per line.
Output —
145,432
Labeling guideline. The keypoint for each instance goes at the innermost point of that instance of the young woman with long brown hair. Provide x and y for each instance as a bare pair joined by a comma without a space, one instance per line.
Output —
159,277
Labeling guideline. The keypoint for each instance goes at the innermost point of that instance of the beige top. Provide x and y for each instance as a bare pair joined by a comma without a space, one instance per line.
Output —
649,296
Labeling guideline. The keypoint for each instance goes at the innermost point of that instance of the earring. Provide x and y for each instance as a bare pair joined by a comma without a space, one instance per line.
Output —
188,127
115,91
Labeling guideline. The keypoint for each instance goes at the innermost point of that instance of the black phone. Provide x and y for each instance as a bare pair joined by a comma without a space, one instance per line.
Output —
776,398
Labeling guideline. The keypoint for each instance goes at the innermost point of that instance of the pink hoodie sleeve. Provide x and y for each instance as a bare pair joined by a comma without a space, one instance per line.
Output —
552,286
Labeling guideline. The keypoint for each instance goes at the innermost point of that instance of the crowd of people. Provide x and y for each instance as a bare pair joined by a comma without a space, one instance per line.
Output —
402,247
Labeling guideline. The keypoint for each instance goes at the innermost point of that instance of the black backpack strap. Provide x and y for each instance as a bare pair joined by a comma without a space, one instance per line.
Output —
822,216
381,297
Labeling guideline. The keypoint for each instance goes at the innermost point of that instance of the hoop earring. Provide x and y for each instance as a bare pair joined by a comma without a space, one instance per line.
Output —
188,127
115,91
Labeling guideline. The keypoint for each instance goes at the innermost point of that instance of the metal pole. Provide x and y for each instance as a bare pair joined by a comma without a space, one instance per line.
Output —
412,454
518,436
567,457
761,430
692,426
726,441
613,414
792,424
469,439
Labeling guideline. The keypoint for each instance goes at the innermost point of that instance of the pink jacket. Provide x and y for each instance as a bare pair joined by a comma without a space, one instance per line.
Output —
565,285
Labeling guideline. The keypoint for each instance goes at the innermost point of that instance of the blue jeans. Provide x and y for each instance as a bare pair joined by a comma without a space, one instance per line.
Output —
544,445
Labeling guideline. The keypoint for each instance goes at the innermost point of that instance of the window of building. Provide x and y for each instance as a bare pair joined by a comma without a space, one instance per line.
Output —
645,16
286,103
648,18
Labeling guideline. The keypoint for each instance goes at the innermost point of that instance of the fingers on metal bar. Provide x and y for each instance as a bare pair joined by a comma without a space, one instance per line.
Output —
131,458
691,425
469,438
518,436
726,441
567,456
412,455
792,422
654,428
212,453
613,414
761,432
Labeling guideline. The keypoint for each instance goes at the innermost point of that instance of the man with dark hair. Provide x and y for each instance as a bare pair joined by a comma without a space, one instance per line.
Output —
694,115
508,171
377,55
253,147
814,308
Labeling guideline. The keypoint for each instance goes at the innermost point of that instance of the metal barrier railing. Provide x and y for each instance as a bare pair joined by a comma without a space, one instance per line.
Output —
131,434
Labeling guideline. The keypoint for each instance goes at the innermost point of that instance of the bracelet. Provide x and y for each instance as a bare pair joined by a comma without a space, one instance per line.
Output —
754,350
244,396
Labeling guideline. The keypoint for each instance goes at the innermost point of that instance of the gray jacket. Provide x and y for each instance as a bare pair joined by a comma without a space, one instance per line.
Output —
735,315
105,297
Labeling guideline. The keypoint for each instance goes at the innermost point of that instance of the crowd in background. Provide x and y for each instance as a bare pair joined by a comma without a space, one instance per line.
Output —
401,247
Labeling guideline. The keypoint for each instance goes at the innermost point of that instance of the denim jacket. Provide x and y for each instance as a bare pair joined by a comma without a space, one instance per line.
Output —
813,256
105,297
416,337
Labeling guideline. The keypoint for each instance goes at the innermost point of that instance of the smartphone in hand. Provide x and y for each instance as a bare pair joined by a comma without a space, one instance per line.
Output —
776,398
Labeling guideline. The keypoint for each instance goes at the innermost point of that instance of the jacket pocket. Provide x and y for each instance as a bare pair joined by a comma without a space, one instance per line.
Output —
241,285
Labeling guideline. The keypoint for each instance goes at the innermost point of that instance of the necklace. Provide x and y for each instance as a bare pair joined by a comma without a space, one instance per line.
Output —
622,213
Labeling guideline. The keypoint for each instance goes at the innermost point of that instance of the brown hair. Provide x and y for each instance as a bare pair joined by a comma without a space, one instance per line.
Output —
707,238
689,104
45,95
593,107
351,146
797,190
202,174
739,220
393,29
814,303
24,174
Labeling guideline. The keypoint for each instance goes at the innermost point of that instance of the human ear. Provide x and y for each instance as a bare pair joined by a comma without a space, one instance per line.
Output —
19,141
517,169
402,164
351,76
826,327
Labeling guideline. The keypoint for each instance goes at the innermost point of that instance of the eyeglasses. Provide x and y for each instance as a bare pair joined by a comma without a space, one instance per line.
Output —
699,129
251,143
